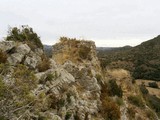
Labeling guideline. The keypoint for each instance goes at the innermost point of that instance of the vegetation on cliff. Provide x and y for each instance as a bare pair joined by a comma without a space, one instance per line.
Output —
73,50
24,34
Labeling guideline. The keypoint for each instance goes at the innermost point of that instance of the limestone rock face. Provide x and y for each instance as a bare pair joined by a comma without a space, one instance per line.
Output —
21,53
23,49
7,45
15,58
60,79
32,59
85,92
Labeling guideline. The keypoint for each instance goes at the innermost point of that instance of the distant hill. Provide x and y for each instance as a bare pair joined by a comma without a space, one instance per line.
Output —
48,50
104,50
143,60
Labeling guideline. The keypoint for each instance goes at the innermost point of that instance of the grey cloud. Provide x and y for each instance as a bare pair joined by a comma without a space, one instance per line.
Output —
101,20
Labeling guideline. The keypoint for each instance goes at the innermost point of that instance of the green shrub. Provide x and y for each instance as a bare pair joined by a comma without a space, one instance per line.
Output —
24,34
4,69
143,89
84,52
98,77
153,84
133,81
2,118
25,80
2,88
119,101
103,63
69,97
68,116
61,103
42,118
110,110
76,117
114,89
18,94
3,57
44,64
154,102
49,77
136,100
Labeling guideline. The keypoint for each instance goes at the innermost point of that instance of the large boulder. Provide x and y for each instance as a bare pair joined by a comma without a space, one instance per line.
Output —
15,58
7,45
19,54
23,49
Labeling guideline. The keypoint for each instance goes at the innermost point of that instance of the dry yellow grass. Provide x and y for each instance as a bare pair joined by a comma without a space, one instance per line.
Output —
118,74
152,91
140,81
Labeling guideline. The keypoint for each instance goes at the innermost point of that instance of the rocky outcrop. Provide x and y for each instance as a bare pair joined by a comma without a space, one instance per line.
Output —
21,53
7,45
72,88
76,51
85,97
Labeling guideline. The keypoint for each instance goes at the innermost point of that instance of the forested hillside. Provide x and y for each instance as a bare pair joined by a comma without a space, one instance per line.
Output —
143,61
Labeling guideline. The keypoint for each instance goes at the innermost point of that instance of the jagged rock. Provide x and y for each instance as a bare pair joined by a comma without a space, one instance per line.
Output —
23,49
39,51
19,54
86,103
72,68
7,45
63,112
53,64
32,59
15,58
61,78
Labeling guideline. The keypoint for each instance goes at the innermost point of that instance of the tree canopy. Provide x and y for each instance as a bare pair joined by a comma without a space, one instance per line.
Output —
24,34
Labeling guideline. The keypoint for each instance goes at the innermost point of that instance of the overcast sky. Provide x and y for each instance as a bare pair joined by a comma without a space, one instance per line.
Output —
107,22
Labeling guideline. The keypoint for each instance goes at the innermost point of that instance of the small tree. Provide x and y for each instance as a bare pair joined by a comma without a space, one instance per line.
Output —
114,89
44,64
143,89
153,84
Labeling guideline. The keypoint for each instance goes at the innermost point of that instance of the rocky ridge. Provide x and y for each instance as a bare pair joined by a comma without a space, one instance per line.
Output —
64,91
72,88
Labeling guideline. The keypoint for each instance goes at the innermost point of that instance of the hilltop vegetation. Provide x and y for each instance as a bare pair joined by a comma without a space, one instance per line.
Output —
73,50
143,61
24,34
